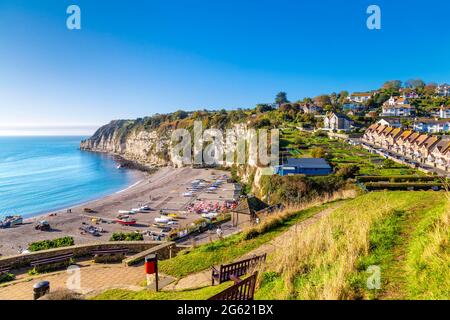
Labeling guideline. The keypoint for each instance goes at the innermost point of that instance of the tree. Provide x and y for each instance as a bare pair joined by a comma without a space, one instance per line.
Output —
415,83
392,85
323,100
281,98
262,107
343,95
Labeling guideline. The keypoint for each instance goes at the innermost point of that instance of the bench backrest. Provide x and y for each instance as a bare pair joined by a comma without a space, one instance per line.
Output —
106,251
244,290
239,268
5,269
52,259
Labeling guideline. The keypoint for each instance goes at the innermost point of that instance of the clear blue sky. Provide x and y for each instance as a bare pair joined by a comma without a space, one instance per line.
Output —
137,58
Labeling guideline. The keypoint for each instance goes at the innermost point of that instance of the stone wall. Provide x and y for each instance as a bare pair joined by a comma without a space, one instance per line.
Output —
82,250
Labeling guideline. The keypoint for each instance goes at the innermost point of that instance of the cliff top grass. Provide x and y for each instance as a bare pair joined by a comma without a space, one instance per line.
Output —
403,235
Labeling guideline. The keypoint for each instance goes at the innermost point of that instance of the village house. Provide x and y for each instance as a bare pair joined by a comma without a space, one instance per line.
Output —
443,90
408,145
444,112
383,137
377,134
369,133
334,121
440,155
393,101
399,145
423,150
312,108
392,122
392,136
411,95
398,110
360,97
431,125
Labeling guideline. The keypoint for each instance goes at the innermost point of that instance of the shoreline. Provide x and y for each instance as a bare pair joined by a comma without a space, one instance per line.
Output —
138,177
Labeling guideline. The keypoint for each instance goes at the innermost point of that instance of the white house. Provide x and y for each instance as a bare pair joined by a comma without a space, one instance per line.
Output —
431,125
337,122
360,97
443,90
397,101
398,110
444,112
390,122
311,108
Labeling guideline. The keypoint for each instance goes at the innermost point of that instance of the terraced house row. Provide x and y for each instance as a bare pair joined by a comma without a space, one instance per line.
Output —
425,148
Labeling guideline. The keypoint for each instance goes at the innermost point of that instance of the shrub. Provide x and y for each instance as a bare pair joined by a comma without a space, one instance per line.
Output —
348,172
318,152
6,277
132,236
51,244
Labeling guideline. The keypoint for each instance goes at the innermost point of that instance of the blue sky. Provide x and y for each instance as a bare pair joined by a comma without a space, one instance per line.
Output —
137,58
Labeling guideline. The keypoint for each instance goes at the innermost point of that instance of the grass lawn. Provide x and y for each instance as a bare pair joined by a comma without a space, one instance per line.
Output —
197,294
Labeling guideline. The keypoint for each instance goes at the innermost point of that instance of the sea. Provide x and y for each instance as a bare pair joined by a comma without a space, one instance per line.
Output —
46,174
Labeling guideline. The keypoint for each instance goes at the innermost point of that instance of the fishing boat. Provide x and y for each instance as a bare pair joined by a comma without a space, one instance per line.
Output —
126,212
125,220
11,221
163,219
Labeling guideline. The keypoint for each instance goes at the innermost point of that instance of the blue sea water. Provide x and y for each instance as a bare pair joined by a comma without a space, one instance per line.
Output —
42,174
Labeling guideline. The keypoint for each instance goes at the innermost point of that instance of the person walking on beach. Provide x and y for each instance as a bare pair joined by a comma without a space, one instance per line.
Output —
219,232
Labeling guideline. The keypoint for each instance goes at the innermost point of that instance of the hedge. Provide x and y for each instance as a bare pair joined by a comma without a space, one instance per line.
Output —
120,236
402,186
51,244
6,277
404,178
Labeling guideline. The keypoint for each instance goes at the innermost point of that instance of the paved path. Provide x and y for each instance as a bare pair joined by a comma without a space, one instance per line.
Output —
94,278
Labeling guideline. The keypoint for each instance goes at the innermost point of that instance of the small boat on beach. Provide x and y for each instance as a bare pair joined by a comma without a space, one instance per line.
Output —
126,212
11,221
126,220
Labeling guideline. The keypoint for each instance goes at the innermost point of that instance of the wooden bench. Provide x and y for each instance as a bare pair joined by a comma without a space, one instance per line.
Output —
236,269
109,255
4,269
241,290
47,263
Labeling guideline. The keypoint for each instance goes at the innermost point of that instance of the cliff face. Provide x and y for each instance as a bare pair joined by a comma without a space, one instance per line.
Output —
150,146
145,147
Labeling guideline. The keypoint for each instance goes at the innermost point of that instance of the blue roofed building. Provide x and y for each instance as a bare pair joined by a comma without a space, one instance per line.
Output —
306,166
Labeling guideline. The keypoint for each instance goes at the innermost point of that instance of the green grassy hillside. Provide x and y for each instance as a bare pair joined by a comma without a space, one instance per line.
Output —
404,234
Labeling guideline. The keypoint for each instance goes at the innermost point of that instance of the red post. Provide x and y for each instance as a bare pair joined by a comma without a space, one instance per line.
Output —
151,267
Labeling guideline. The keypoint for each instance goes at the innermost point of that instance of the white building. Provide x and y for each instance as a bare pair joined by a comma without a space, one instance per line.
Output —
431,125
337,122
398,110
443,90
360,97
444,112
390,122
